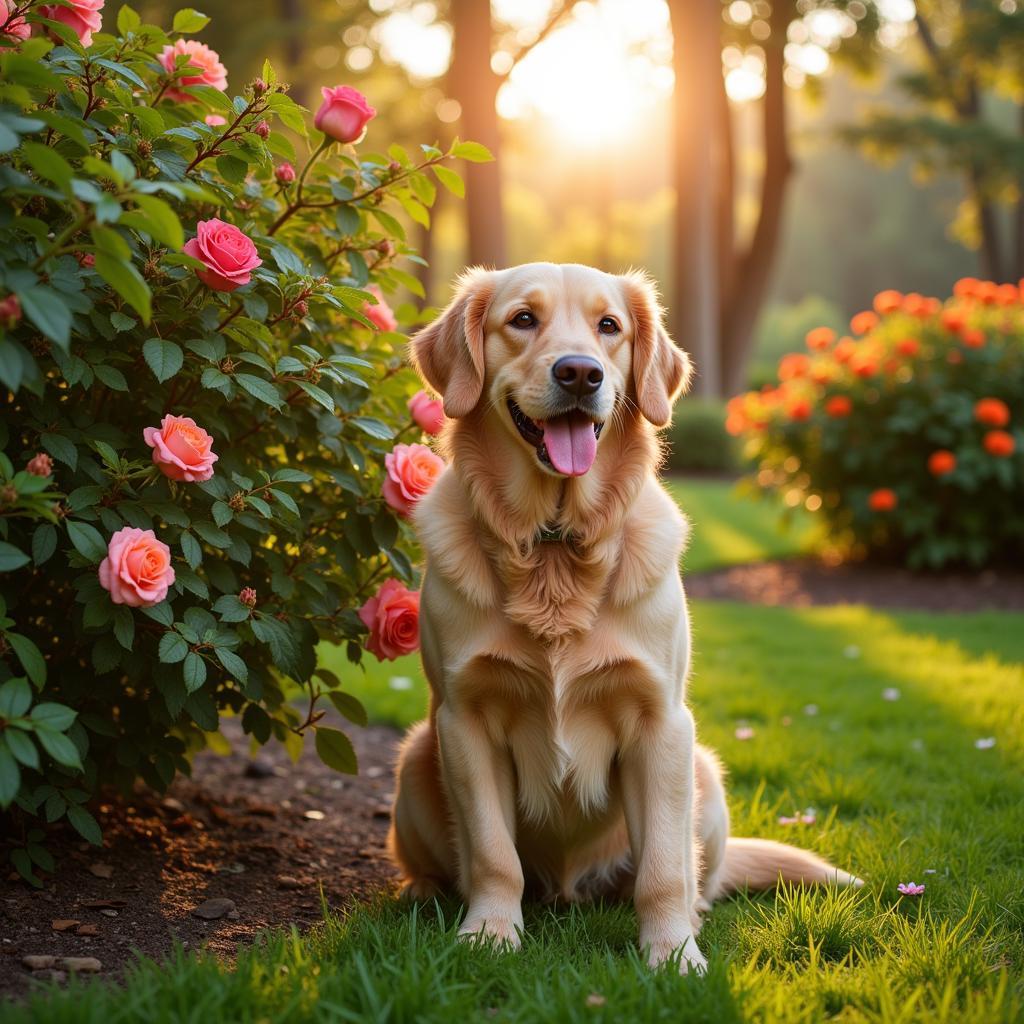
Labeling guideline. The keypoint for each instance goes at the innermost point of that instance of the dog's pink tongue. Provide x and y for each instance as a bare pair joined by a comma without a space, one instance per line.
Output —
571,443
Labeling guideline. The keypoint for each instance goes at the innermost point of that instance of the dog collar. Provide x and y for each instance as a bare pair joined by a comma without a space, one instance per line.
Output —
554,535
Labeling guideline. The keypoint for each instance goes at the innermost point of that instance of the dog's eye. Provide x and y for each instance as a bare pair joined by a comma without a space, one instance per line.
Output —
608,325
524,319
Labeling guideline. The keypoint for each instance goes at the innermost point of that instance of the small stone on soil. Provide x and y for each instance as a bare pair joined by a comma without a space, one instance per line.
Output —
260,768
85,964
314,815
38,963
213,910
101,870
108,912
87,930
64,924
289,882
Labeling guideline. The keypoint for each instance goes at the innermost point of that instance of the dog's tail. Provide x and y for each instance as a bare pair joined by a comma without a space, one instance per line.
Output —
762,864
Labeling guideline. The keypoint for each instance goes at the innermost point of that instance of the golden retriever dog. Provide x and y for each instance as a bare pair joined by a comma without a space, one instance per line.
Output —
559,752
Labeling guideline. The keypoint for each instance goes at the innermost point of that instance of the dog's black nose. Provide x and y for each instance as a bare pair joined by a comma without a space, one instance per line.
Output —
579,375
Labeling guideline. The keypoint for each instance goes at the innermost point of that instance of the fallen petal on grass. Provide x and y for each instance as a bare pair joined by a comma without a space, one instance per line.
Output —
909,889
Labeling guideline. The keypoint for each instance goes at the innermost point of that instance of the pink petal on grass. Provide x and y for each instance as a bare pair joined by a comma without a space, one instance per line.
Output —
909,889
744,732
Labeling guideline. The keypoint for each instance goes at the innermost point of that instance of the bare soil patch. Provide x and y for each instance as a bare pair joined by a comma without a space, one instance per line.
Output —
249,842
803,582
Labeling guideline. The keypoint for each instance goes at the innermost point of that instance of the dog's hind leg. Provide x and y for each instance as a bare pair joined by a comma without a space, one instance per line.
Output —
419,840
712,824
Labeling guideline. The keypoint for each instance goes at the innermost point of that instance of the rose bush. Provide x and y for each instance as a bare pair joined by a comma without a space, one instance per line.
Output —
196,410
908,435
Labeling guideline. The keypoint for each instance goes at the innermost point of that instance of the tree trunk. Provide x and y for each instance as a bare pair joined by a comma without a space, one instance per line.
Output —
754,268
696,59
295,22
475,86
726,226
1017,270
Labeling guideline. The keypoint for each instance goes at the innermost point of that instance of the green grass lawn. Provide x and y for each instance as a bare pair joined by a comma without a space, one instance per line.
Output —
899,788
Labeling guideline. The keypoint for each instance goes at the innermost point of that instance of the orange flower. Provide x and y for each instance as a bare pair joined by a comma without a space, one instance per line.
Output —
820,373
992,412
987,292
799,409
735,424
966,287
941,462
864,322
888,301
838,406
931,306
973,338
863,365
999,443
908,346
1007,295
820,338
795,365
882,500
953,320
845,348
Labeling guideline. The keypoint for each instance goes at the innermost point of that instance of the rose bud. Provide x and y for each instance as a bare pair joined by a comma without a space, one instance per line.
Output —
262,129
248,597
285,173
40,465
344,114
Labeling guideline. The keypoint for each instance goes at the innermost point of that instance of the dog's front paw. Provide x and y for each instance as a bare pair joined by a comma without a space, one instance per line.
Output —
415,890
661,950
502,931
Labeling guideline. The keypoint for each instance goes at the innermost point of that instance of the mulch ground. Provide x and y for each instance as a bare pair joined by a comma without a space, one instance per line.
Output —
253,841
250,842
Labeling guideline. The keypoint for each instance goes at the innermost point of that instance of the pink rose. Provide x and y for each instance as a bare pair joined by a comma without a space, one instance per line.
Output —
10,311
380,314
137,570
182,450
393,619
83,16
344,113
427,412
204,62
16,28
229,255
412,470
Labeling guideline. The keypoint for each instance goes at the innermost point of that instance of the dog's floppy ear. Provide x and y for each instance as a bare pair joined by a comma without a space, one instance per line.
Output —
661,370
449,353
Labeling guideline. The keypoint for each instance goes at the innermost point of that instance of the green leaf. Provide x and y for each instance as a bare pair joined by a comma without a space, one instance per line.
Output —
49,164
11,558
60,448
188,21
127,282
222,514
193,672
164,358
335,750
44,543
164,224
30,657
111,376
374,427
162,613
56,717
172,648
317,394
22,747
127,20
349,706
233,663
191,549
60,748
259,388
230,609
85,825
471,151
124,627
15,698
87,541
213,536
10,777
47,310
451,180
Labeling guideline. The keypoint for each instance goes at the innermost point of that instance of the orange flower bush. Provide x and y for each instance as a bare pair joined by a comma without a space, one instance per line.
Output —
909,436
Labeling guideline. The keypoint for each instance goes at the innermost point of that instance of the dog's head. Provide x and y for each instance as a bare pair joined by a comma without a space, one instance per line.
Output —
555,351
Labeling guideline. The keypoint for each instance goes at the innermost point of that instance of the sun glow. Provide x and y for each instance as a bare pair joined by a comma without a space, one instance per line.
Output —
599,76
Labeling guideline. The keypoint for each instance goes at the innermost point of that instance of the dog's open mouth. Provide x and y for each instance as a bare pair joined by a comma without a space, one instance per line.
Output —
566,443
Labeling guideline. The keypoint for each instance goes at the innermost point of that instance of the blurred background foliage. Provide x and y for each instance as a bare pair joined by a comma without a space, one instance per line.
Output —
851,145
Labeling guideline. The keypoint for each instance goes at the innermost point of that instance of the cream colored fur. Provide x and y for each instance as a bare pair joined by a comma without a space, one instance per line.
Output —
559,754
